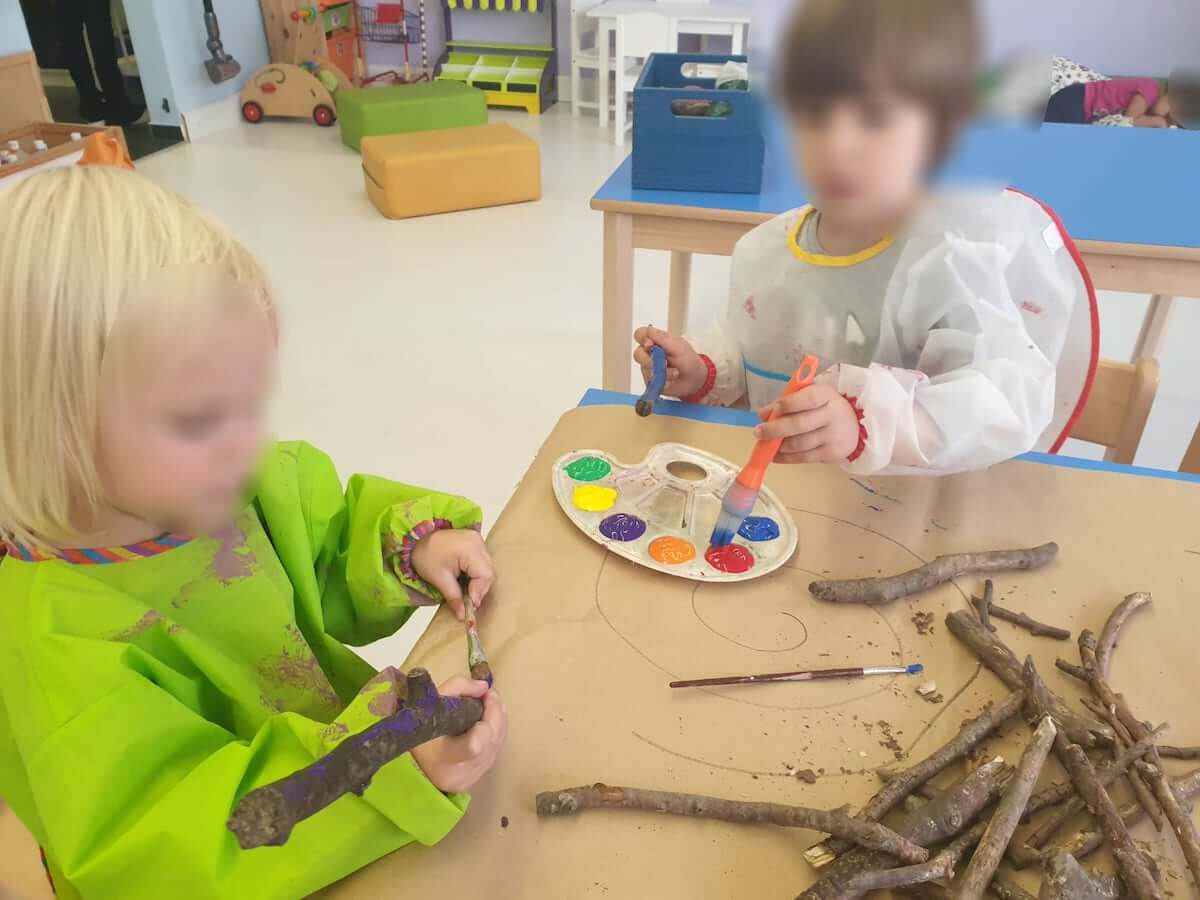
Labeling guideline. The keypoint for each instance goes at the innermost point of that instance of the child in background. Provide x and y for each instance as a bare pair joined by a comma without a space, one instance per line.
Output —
173,604
1143,100
940,319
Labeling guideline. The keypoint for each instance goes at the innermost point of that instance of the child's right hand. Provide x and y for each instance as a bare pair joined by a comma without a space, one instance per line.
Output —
456,764
686,372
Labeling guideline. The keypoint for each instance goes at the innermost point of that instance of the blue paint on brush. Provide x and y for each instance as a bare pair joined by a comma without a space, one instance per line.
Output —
915,669
658,381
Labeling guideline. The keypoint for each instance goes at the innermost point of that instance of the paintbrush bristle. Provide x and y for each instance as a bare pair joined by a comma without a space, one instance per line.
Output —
736,505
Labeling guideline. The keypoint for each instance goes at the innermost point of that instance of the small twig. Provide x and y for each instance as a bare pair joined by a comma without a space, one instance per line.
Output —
866,833
1071,669
1167,752
1112,628
983,606
1133,868
930,575
994,654
1001,887
267,815
1008,814
1033,626
887,879
1137,780
1041,835
903,783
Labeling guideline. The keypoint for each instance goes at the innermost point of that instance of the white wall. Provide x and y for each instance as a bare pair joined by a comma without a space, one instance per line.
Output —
14,36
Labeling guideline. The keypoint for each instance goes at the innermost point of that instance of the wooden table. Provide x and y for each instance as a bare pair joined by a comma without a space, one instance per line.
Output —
1144,241
583,644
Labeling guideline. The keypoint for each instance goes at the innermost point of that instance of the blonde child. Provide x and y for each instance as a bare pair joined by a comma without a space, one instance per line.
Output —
939,320
174,605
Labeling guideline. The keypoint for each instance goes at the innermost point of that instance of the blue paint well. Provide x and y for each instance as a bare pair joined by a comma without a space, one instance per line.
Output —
759,528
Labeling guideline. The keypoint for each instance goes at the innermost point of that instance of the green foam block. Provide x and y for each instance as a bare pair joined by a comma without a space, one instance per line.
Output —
425,106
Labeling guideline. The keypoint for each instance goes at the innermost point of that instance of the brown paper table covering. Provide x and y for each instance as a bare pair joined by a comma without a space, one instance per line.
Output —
584,643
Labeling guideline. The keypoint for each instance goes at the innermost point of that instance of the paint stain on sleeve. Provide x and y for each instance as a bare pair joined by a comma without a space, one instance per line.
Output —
232,559
148,620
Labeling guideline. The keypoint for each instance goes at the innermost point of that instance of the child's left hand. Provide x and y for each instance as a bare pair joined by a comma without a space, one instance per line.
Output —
439,559
816,424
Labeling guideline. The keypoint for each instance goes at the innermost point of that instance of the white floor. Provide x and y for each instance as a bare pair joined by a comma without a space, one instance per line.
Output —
441,351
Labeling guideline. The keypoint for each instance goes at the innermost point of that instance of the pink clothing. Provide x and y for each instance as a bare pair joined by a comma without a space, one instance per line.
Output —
1106,98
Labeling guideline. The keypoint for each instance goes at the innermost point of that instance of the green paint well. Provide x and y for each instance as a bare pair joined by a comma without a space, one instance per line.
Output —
588,468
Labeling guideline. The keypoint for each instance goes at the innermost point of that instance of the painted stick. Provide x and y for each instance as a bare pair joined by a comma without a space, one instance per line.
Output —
266,816
477,661
658,381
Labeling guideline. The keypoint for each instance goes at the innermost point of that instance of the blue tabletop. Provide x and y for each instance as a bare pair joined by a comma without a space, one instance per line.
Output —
1119,185
746,419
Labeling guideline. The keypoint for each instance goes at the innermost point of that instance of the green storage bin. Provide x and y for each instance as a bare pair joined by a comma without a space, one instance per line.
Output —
425,106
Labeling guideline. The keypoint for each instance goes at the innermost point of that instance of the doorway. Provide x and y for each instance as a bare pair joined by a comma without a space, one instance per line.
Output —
45,20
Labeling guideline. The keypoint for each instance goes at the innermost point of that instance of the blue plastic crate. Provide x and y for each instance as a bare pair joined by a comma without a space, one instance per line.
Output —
691,153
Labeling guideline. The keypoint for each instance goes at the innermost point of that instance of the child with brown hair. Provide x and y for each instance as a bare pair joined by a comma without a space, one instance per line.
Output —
940,319
176,598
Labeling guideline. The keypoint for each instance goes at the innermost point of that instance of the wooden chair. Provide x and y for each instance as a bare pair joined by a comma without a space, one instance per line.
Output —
1191,459
1118,408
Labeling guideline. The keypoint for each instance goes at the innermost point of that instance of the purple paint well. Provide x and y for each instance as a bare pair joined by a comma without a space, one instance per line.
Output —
759,528
622,527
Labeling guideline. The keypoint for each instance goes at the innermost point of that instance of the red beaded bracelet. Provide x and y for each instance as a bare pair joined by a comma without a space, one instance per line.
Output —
709,382
862,429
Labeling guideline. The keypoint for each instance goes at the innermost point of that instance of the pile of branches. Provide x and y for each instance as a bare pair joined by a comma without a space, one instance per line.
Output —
970,825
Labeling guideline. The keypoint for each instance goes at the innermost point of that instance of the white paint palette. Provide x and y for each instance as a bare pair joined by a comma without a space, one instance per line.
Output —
660,513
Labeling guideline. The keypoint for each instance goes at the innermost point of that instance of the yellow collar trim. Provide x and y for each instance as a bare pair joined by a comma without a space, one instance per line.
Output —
825,259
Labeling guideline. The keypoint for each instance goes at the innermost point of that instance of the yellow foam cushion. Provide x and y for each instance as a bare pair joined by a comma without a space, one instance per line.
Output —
431,172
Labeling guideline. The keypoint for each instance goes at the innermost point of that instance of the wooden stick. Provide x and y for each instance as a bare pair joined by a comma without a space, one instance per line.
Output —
1181,820
903,783
954,809
1137,780
1112,628
1071,669
267,815
930,575
1008,814
1133,868
984,606
1033,626
856,885
1168,752
994,654
861,831
1186,788
1041,835
1065,879
1001,887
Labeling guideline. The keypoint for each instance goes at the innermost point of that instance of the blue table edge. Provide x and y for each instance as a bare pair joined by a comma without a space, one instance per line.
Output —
745,419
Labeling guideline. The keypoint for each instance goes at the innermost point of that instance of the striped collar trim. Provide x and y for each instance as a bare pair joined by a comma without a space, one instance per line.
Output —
94,556
825,259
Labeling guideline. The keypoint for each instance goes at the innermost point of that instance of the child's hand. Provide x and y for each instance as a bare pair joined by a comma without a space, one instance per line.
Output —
439,559
817,424
686,372
456,764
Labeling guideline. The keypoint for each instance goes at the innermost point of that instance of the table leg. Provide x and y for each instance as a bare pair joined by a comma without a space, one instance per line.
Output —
618,301
681,288
738,35
1154,327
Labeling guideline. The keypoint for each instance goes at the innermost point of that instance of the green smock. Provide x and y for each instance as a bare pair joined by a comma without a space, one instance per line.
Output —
140,699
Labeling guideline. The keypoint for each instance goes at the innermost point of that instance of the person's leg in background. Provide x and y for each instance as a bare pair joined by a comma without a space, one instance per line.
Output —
70,18
1067,106
119,109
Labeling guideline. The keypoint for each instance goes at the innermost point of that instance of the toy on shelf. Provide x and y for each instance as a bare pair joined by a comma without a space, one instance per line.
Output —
515,73
314,53
391,23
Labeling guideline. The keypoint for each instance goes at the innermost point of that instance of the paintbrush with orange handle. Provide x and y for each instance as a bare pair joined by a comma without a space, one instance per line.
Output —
741,496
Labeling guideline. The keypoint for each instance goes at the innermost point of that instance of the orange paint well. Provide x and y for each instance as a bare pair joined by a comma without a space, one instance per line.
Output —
672,551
